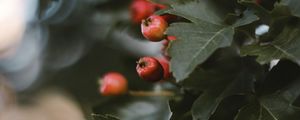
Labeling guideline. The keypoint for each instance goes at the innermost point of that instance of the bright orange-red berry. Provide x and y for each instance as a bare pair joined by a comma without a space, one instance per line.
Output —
149,69
165,63
113,83
154,27
141,9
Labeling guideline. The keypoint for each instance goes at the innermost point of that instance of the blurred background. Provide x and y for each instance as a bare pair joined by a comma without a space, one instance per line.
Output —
52,53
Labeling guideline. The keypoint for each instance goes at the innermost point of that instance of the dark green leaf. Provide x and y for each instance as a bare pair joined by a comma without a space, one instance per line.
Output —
280,104
285,45
280,90
254,111
181,106
198,10
277,106
194,44
248,17
196,41
293,5
214,70
265,53
280,76
207,103
259,10
222,81
229,107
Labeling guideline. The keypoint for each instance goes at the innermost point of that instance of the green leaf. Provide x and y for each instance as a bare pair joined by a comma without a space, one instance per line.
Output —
249,112
293,5
259,10
280,76
265,53
248,17
229,107
194,44
254,111
277,106
181,106
275,99
280,103
285,45
198,10
196,41
227,77
214,70
207,103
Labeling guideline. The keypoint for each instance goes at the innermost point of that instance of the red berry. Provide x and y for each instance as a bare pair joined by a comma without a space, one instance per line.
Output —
167,41
149,69
171,38
166,55
165,64
166,46
167,17
113,83
141,9
154,27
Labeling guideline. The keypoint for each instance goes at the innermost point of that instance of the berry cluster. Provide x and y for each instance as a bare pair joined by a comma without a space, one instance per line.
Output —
153,28
151,69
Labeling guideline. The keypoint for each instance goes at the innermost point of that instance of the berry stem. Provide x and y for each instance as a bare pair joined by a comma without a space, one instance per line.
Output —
151,93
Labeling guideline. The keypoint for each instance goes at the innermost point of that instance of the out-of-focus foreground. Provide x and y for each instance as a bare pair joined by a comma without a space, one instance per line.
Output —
52,53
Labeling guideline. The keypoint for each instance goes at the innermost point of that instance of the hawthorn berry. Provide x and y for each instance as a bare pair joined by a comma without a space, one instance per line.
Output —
164,49
167,41
154,27
113,83
171,38
166,67
166,46
141,9
168,17
149,69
